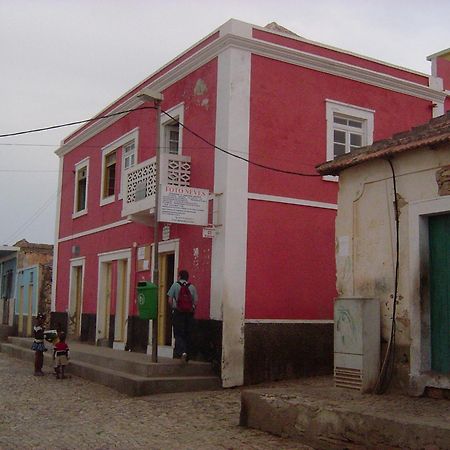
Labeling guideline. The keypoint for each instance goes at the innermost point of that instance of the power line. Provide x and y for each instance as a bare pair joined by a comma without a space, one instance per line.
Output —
78,122
227,152
263,166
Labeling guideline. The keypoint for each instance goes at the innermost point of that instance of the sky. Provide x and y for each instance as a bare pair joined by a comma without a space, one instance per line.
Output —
64,61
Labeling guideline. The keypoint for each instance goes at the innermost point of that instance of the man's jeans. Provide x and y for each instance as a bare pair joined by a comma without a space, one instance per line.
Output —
182,327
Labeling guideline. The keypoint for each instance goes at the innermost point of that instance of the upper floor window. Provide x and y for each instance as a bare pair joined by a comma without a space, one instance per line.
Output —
123,150
109,174
348,134
129,155
171,130
348,127
81,188
172,138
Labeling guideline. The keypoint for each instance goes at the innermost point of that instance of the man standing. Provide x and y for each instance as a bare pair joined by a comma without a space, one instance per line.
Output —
183,301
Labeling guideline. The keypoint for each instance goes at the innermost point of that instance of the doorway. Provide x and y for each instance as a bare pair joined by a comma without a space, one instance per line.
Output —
76,299
166,278
439,245
113,299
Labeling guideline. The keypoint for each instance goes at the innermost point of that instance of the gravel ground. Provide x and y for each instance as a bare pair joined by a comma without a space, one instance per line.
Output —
45,413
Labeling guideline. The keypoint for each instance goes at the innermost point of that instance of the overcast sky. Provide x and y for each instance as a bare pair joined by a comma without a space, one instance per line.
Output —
63,61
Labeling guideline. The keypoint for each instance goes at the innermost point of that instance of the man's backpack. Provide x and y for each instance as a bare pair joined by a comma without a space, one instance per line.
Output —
185,302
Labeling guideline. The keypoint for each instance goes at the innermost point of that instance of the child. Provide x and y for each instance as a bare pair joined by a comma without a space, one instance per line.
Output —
60,355
38,345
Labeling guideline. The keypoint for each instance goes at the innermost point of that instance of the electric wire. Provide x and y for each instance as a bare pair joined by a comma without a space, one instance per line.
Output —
78,122
194,133
227,152
387,368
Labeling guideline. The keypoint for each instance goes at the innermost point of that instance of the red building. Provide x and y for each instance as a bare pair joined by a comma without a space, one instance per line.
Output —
266,278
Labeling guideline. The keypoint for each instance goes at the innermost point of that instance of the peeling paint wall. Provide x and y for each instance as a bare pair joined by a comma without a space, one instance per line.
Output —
365,235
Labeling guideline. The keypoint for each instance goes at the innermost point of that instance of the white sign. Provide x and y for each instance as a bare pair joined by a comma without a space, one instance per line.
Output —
166,233
209,233
183,204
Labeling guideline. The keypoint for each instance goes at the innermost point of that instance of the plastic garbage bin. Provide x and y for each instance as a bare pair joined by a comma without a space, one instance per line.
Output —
146,300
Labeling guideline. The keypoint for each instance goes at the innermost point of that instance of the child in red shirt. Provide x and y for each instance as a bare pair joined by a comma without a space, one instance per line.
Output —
61,355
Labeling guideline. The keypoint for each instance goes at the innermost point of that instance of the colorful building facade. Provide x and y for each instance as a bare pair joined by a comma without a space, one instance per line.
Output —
248,112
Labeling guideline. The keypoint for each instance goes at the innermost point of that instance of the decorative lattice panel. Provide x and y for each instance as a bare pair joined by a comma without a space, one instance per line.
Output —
178,172
142,178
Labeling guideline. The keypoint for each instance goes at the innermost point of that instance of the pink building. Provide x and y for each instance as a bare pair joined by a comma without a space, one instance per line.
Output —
265,273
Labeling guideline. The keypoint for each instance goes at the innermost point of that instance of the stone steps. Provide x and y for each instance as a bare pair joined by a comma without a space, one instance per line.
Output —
132,374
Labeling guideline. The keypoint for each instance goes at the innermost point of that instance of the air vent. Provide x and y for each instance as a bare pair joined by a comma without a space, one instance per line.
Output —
348,378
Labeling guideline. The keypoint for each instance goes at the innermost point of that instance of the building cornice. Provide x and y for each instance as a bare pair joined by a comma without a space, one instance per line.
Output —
268,50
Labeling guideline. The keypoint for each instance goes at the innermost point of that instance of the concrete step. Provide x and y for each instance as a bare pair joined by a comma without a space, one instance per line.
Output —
133,363
330,419
124,382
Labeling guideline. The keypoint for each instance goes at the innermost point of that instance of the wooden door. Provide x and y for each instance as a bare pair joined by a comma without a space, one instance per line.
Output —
439,235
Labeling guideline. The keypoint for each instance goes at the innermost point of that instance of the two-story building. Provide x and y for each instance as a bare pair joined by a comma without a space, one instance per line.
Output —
248,112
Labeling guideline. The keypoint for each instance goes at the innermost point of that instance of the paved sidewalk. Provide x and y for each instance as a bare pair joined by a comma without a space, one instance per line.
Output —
45,413
314,411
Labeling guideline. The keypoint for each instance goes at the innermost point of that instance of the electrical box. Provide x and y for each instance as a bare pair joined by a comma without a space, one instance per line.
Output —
356,343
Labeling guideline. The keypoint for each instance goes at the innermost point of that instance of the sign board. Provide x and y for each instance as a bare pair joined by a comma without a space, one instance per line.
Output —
183,204
143,258
209,232
166,233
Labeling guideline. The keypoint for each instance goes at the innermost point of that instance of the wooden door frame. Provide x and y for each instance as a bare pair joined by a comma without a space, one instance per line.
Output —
102,321
419,294
74,317
164,247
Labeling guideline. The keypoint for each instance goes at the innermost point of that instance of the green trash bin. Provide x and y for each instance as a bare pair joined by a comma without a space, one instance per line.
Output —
146,300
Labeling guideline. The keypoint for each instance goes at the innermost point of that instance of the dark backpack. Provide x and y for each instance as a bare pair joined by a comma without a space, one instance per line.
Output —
185,302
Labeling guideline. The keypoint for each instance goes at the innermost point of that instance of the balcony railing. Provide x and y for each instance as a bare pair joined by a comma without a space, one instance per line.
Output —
140,182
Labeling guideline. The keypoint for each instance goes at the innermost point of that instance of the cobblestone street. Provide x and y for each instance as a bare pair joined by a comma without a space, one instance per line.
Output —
45,413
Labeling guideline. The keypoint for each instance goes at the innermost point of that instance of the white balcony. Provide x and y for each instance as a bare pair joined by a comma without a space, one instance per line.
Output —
140,181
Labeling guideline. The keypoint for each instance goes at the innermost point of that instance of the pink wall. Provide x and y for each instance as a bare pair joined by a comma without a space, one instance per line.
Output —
199,114
337,55
290,274
289,129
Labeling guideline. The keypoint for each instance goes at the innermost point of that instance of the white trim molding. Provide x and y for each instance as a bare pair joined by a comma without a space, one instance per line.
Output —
55,247
177,112
291,201
102,322
420,366
229,248
246,43
95,230
72,306
84,163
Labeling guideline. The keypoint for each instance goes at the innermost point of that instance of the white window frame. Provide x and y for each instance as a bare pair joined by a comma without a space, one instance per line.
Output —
78,167
358,113
178,113
117,145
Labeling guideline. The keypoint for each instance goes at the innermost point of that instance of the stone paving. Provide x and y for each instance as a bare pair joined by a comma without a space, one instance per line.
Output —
45,413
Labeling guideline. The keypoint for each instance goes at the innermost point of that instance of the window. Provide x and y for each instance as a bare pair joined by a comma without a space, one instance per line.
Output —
120,153
172,138
109,175
348,134
129,155
348,127
81,188
171,131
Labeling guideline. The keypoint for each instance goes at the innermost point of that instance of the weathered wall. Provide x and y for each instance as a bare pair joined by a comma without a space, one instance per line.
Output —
365,234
